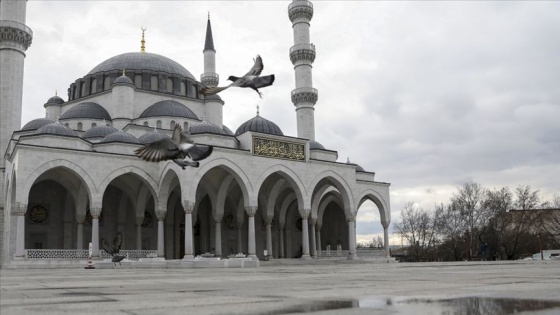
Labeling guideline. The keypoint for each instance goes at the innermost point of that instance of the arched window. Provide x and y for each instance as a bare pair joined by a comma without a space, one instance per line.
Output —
93,88
93,125
82,89
154,84
76,92
193,91
67,125
186,125
146,124
107,83
172,125
80,126
158,124
138,81
169,86
183,88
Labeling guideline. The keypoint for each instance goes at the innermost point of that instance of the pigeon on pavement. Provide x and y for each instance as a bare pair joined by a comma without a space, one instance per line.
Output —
180,148
251,79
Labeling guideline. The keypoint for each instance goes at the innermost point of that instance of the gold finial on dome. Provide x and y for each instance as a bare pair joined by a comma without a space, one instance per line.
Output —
257,110
209,15
143,46
123,72
56,92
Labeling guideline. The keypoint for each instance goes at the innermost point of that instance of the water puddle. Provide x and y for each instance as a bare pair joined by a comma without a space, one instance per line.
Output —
454,306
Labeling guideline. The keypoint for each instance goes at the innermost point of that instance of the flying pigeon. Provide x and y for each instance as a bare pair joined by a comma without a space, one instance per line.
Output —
180,148
252,80
114,249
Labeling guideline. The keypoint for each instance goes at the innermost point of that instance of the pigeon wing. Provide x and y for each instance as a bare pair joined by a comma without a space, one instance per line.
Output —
164,149
199,152
263,81
117,242
107,247
213,90
176,137
257,67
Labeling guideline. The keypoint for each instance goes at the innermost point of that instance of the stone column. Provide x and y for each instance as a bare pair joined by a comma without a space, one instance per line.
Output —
218,235
305,233
139,221
188,206
318,237
352,237
269,238
21,209
160,214
386,237
95,213
281,239
251,248
313,241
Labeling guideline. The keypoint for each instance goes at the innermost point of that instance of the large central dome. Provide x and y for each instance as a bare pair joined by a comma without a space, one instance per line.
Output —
142,61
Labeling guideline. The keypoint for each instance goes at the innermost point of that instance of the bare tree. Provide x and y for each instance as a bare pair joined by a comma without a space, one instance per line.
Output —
468,201
550,220
417,227
451,227
498,203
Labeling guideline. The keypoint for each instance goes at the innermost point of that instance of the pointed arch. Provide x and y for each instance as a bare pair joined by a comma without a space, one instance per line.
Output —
380,202
341,185
140,173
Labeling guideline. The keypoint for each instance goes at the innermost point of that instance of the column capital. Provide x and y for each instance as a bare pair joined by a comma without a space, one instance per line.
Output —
20,208
351,218
95,212
160,214
188,206
139,220
385,224
304,213
251,211
312,221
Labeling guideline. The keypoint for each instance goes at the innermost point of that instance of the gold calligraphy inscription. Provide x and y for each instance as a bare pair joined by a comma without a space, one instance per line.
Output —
278,149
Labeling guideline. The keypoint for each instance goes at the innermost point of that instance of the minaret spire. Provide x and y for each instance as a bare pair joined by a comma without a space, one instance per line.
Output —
209,77
302,55
209,42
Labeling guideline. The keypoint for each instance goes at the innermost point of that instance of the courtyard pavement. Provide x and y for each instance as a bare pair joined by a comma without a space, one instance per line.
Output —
286,287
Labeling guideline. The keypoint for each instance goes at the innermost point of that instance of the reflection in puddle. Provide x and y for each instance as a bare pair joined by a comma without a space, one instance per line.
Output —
465,305
455,306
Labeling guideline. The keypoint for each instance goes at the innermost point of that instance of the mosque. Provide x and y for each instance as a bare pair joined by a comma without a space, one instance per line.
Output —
71,178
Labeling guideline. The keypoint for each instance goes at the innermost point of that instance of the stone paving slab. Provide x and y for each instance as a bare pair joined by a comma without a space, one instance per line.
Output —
280,287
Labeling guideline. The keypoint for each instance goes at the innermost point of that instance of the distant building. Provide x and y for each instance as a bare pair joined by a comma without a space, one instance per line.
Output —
72,177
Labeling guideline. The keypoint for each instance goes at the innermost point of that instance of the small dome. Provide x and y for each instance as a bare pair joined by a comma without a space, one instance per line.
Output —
314,145
152,137
214,98
259,124
205,127
56,129
120,136
37,123
123,79
358,167
99,132
227,131
55,100
86,110
168,108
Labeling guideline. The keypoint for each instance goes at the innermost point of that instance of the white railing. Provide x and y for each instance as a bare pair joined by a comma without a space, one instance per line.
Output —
83,254
326,254
370,252
361,252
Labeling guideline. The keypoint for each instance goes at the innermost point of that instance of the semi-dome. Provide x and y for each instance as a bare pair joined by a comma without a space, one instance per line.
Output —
120,136
55,100
227,131
142,61
314,145
123,79
152,137
37,123
99,132
168,108
88,110
259,124
205,127
56,129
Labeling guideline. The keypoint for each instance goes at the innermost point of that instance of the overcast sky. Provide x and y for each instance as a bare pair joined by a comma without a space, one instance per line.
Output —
428,95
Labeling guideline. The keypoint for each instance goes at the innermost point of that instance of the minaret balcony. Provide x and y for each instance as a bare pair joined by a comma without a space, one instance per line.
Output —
210,79
305,95
304,52
15,33
300,10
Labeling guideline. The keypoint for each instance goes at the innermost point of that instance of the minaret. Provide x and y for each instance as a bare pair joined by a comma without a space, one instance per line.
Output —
302,55
15,38
213,103
209,78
